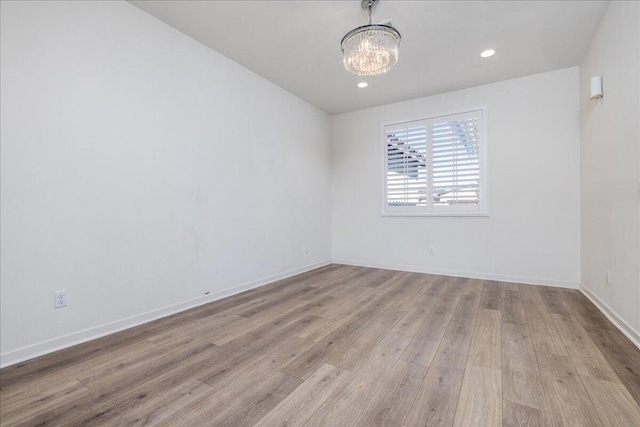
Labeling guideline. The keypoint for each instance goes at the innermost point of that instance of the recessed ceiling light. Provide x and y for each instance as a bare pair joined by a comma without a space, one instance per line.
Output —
363,84
487,53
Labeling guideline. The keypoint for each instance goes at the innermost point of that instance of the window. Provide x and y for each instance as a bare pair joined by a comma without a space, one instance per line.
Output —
435,166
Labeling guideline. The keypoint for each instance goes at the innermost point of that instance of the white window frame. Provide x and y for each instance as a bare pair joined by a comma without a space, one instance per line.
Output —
429,211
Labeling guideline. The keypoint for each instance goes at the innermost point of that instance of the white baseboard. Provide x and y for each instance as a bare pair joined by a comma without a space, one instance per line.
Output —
468,274
29,352
619,323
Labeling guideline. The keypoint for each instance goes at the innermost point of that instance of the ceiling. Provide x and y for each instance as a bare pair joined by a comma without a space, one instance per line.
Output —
296,44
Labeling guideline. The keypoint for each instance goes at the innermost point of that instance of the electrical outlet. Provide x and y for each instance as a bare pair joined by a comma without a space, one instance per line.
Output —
432,250
61,298
608,278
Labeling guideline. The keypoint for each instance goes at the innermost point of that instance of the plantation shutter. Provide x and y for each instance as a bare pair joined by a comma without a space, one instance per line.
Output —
406,166
456,162
435,165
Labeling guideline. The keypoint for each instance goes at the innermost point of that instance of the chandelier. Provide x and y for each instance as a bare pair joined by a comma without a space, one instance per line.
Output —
372,49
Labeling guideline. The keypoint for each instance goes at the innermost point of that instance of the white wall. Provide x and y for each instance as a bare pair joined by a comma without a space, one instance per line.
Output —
610,168
533,232
140,170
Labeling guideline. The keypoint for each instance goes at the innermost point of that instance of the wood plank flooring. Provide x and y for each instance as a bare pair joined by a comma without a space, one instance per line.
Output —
346,346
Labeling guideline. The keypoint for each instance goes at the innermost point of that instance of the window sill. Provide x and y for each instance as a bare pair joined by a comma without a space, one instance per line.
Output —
436,214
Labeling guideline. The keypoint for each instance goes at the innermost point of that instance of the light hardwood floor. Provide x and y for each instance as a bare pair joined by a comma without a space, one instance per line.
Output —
343,346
